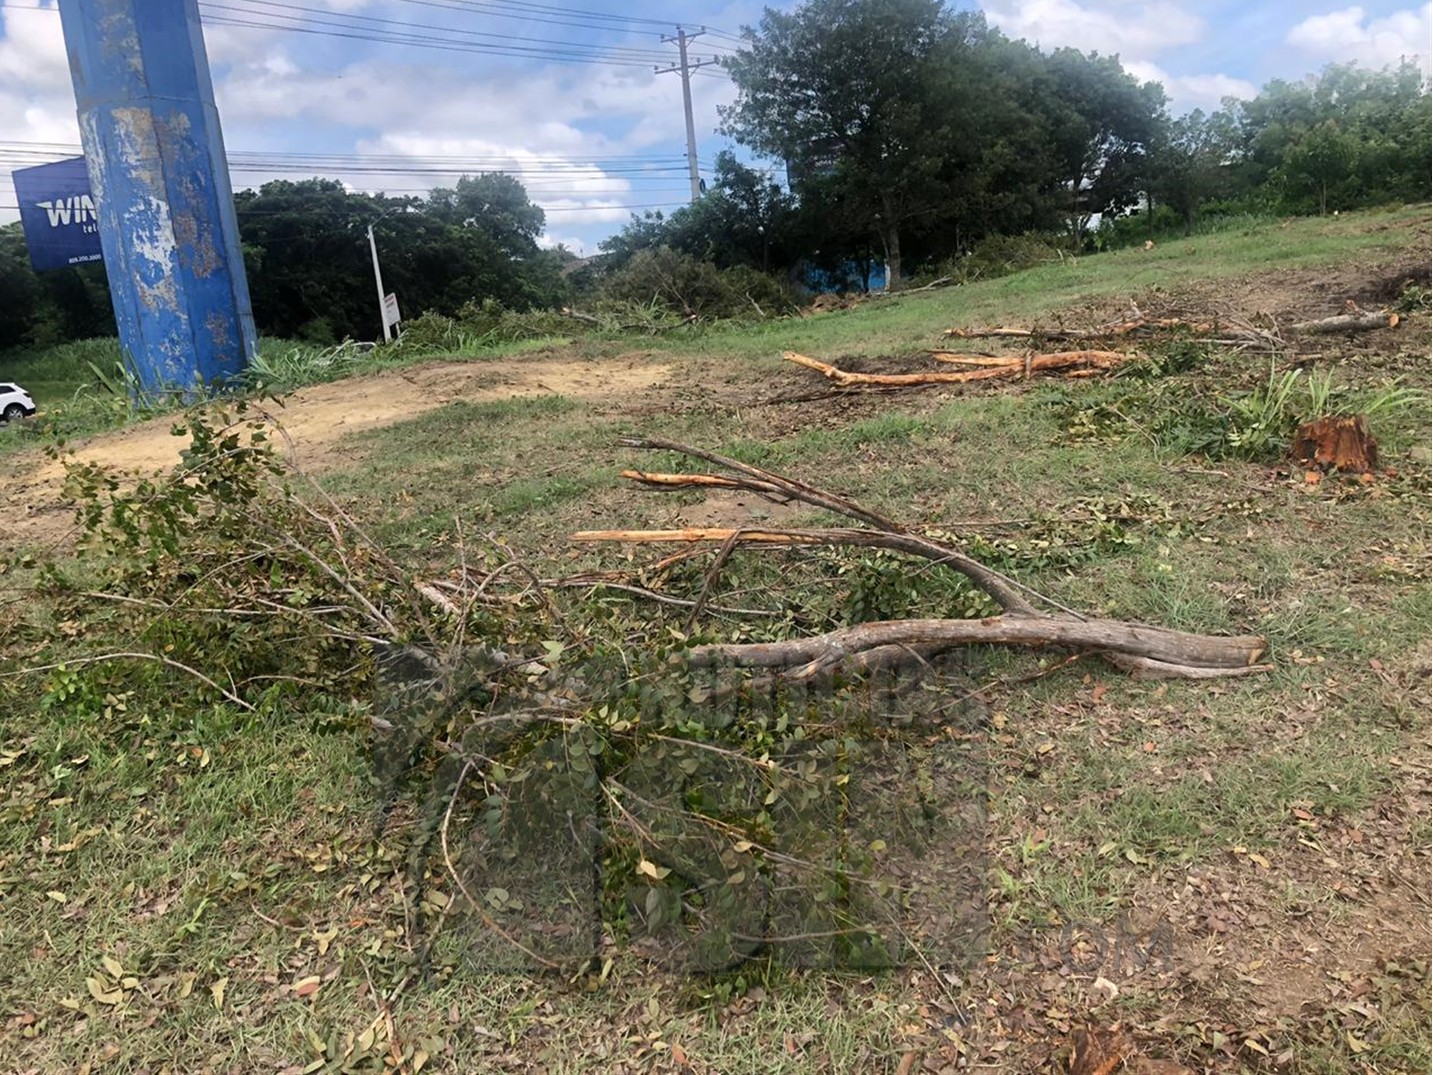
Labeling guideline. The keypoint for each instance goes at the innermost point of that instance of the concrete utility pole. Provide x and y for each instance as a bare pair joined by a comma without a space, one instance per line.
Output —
686,68
160,179
382,295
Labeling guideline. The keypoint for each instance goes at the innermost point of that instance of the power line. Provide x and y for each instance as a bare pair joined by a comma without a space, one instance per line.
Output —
316,21
346,21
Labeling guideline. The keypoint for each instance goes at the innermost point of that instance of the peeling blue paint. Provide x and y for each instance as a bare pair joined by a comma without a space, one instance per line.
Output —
160,182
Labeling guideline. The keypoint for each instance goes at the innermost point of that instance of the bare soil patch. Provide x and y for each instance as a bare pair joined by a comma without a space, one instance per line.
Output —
315,419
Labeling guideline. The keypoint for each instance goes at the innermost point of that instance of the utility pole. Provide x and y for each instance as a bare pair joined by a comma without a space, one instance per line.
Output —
686,67
382,295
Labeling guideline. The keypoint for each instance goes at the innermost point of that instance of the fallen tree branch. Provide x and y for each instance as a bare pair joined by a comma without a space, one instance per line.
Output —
168,662
1133,327
999,587
754,476
1357,321
1016,366
1142,650
1209,655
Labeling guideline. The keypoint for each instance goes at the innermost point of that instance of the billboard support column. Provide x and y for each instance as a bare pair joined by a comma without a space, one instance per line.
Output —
161,189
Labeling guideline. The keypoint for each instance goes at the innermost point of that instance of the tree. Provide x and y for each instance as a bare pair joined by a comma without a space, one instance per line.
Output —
497,205
854,87
1325,156
311,274
1099,121
46,308
1350,134
1187,162
743,219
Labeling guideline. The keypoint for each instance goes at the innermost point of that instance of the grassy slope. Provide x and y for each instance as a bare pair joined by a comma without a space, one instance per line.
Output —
200,849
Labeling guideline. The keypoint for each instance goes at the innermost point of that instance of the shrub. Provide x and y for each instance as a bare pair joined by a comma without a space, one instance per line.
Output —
693,288
1001,255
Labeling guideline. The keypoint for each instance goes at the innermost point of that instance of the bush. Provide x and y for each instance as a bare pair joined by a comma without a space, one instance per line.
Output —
1001,255
693,288
477,325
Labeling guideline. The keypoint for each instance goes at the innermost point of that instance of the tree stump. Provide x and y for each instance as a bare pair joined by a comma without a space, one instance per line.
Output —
1343,444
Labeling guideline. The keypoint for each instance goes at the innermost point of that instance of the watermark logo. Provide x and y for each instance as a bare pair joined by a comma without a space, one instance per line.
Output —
703,823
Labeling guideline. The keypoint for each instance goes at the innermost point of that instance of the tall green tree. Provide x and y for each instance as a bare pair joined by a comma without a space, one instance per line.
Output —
311,274
1100,122
856,88
1348,135
1187,163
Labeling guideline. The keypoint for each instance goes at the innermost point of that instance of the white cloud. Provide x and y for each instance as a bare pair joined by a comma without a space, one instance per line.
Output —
1137,30
393,102
1351,35
37,101
1193,91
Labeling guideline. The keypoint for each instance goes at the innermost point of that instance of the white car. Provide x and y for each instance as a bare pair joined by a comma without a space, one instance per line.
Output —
15,402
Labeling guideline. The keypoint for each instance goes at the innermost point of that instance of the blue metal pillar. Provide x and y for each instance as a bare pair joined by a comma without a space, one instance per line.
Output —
161,187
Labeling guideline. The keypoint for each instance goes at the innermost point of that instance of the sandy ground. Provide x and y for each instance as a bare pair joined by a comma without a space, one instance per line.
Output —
315,421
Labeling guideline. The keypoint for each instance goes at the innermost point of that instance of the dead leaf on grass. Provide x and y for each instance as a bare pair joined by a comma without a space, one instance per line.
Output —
307,987
1097,1052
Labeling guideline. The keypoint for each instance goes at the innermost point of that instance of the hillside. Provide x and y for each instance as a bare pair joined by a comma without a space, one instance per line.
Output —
1223,875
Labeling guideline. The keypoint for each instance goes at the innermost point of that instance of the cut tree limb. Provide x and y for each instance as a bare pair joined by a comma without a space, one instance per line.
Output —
1142,650
753,475
1358,321
1004,590
1017,366
1211,655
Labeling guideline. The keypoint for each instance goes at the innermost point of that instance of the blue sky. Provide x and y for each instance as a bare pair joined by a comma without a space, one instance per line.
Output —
599,139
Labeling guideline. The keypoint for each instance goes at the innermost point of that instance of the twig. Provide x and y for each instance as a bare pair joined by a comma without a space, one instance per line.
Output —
579,582
797,490
713,572
168,661
1000,587
463,888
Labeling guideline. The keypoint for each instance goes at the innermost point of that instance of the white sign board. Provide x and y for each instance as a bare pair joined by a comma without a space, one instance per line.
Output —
391,316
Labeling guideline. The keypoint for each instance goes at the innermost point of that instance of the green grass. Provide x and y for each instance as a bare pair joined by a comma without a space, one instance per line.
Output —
192,844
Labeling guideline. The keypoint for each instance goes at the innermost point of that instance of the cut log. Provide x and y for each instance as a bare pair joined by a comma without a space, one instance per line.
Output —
687,481
956,358
1016,367
1358,321
1341,444
1211,655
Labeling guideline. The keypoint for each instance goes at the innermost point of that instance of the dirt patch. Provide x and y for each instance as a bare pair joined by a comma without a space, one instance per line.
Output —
315,420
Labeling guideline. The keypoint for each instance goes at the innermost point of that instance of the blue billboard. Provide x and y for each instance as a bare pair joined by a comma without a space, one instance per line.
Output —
58,214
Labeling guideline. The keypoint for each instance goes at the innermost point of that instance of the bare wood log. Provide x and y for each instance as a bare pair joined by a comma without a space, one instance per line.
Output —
684,481
1057,360
989,333
1148,668
1235,655
1004,590
578,315
1358,321
956,358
